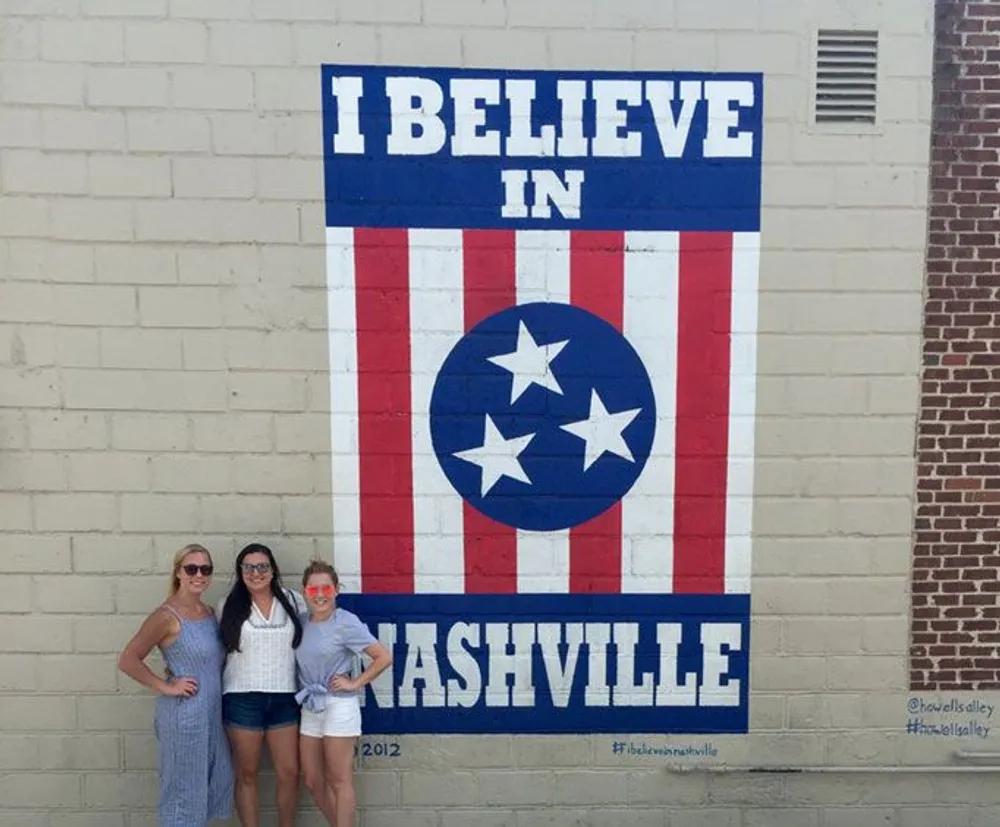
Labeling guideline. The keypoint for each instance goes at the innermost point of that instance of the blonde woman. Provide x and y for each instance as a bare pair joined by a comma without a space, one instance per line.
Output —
196,775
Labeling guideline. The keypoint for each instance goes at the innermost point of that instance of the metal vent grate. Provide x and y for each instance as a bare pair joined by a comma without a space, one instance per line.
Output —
846,76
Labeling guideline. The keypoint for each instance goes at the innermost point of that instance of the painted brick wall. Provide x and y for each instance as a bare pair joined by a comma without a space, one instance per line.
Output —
956,614
163,377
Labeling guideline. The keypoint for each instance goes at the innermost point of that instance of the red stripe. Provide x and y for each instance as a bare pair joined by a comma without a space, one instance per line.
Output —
702,437
490,286
597,284
381,261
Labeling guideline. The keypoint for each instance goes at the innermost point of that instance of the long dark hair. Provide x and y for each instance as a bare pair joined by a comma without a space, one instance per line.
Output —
237,606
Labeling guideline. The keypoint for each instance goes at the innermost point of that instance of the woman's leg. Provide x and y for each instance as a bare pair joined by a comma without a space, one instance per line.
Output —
311,760
246,745
284,746
338,756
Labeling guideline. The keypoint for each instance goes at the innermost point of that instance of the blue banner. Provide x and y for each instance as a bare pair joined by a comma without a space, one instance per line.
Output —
485,148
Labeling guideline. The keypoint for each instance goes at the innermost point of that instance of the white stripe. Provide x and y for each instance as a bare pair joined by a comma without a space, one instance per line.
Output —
742,409
541,266
437,322
344,460
650,325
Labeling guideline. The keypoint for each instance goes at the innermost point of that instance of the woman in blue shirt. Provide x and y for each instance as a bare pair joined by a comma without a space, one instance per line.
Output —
331,712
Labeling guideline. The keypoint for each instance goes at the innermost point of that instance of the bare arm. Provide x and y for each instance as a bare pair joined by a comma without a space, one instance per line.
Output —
155,629
381,660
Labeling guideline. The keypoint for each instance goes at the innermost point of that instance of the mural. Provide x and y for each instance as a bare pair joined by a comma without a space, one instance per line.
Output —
542,304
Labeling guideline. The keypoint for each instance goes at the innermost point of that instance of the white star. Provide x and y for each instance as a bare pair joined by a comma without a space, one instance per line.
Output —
497,457
529,364
602,431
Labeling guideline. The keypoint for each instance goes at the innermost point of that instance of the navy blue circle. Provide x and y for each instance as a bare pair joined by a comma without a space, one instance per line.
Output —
469,387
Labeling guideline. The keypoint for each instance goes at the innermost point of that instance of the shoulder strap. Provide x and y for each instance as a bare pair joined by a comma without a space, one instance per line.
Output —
173,611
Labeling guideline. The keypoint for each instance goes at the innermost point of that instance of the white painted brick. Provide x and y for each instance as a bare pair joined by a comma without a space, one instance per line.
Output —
76,673
28,171
39,790
95,304
595,50
267,392
21,40
206,349
105,635
692,14
34,633
132,790
183,391
136,594
125,8
131,87
85,41
302,432
180,307
75,512
114,712
304,10
16,511
63,430
190,473
315,44
552,15
25,216
16,596
271,474
169,41
134,264
379,11
289,179
108,472
287,90
76,218
167,132
34,388
13,431
103,554
137,348
867,596
141,751
117,176
72,594
874,517
237,513
34,553
20,127
507,48
706,817
50,260
94,131
406,45
250,44
221,221
39,83
159,512
18,752
306,515
149,432
213,178
231,433
212,88
25,302
302,265
34,472
217,265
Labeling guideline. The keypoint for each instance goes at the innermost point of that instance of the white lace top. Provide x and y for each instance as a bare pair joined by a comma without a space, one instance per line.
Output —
266,660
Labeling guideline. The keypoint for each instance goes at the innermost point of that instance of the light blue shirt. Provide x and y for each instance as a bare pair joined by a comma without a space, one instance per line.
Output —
328,648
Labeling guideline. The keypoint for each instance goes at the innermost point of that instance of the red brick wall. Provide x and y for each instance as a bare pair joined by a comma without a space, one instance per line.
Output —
955,625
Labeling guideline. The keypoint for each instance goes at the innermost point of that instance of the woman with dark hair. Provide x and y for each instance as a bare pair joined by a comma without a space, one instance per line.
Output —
260,628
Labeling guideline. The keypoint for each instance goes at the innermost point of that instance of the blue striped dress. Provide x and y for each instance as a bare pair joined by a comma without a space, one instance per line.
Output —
196,772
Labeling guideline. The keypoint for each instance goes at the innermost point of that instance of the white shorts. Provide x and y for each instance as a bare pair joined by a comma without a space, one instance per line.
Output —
340,719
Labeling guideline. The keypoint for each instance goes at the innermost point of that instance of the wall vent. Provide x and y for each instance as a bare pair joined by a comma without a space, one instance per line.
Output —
846,76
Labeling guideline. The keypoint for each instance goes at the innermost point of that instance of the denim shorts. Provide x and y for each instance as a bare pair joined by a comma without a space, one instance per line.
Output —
260,710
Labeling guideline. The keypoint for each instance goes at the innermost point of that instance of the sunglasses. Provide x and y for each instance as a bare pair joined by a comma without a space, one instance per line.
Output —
316,591
190,569
260,568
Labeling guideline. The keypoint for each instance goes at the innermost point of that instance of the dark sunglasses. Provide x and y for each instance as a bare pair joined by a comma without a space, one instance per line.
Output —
260,568
190,569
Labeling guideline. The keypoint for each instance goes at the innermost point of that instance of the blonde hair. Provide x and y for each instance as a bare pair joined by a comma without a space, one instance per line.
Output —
317,566
191,548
